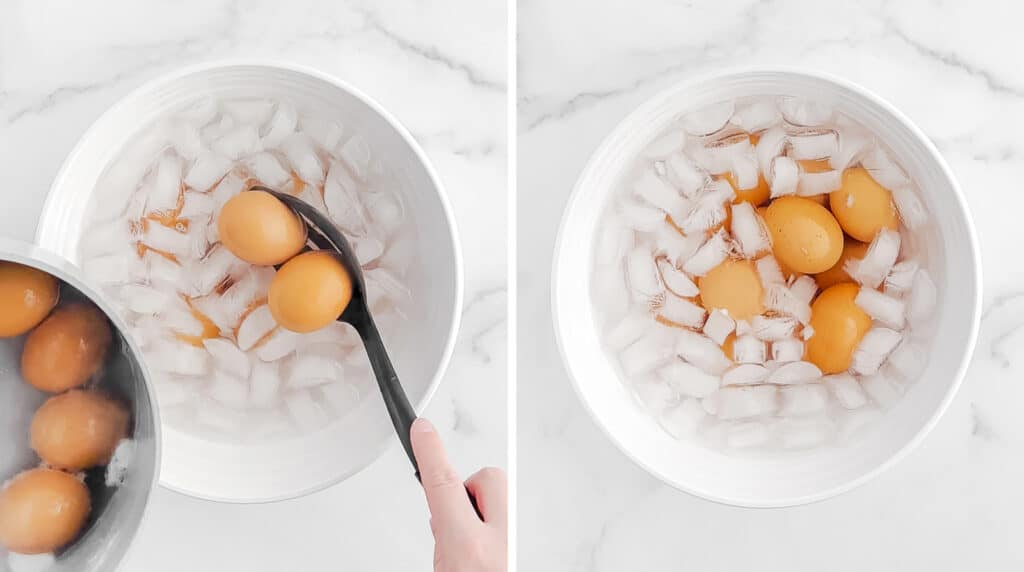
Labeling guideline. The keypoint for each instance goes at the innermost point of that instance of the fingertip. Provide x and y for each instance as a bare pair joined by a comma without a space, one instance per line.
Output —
422,425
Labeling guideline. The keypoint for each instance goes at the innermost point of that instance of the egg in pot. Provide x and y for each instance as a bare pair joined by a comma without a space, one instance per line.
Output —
258,228
862,206
733,286
309,291
805,236
78,429
41,510
26,296
66,349
838,324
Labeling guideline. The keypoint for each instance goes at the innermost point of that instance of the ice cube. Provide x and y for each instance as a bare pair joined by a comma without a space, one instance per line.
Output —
748,349
911,210
626,331
300,151
237,142
779,298
681,311
769,146
881,389
783,176
342,202
248,111
642,275
769,270
747,434
185,140
883,169
665,144
708,120
120,463
263,384
804,433
280,343
228,390
649,352
701,351
874,347
749,231
144,299
304,412
879,259
745,171
723,154
847,391
309,370
709,255
853,423
30,562
740,402
852,142
385,210
745,374
251,286
340,397
639,216
327,134
164,184
675,246
685,174
901,278
356,154
683,419
266,167
922,298
802,399
198,206
169,240
675,280
718,326
655,395
108,238
656,192
787,350
367,249
213,269
908,360
199,112
795,372
688,380
171,391
813,144
228,358
814,184
178,358
773,328
255,326
886,309
755,116
280,126
805,112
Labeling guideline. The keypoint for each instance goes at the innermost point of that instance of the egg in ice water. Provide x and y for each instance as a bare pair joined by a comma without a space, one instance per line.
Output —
309,292
41,510
805,236
258,228
78,429
862,206
26,296
66,349
838,324
733,286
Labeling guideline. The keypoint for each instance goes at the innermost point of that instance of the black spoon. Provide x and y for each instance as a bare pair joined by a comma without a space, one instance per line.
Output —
326,236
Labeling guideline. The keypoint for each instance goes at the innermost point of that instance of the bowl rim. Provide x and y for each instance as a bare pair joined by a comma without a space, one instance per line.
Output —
30,254
622,128
436,184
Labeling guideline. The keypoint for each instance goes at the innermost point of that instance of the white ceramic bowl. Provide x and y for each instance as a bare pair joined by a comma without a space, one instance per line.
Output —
791,479
290,468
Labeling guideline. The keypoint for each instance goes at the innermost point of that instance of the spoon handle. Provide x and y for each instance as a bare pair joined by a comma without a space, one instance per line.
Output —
397,403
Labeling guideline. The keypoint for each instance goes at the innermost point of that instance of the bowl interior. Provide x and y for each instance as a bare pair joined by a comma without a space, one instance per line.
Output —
117,512
420,351
947,245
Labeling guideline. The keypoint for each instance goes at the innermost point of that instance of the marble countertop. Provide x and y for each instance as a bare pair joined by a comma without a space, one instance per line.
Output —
440,67
953,503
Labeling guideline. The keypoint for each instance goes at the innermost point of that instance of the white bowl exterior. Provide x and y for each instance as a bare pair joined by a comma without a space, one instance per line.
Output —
785,479
289,468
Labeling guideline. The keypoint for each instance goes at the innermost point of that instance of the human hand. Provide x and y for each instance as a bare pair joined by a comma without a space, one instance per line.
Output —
462,541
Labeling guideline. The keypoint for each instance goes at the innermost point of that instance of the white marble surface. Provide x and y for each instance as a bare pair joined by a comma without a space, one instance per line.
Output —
955,503
440,67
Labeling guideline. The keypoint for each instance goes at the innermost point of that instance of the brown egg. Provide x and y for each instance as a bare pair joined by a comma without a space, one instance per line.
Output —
839,324
26,296
755,195
805,236
260,229
42,510
78,429
309,292
728,346
734,286
66,349
851,249
862,206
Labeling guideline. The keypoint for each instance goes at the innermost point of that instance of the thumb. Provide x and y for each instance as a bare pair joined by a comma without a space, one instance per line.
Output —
446,494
